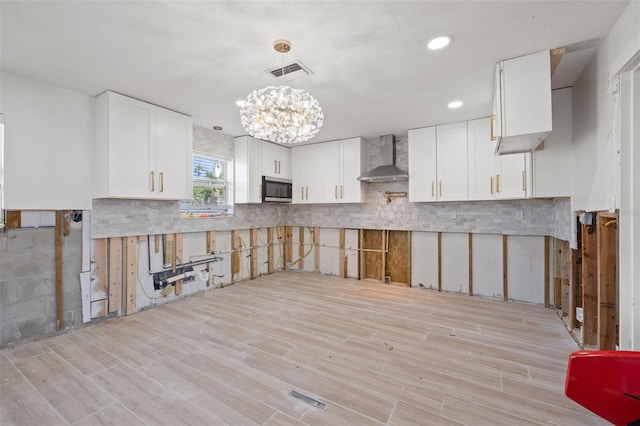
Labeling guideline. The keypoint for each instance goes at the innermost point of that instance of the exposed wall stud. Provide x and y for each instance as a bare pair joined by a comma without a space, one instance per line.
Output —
589,285
270,244
115,273
470,264
505,268
607,281
253,241
316,250
439,261
58,250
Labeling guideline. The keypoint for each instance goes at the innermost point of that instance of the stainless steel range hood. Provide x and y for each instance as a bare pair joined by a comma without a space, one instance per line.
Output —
387,172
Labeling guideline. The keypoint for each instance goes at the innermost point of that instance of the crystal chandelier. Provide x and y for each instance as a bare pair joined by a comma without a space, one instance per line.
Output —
279,113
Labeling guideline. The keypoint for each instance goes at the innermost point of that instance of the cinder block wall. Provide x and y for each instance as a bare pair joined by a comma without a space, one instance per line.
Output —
28,282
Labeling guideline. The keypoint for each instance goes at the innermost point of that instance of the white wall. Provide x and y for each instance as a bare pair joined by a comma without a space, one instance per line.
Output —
49,145
597,145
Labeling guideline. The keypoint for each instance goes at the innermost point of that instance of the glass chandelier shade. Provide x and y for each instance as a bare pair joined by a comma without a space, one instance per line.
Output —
281,114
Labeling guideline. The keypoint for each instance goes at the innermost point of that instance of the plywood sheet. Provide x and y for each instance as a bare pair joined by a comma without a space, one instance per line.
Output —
487,265
424,259
455,262
372,240
398,257
525,259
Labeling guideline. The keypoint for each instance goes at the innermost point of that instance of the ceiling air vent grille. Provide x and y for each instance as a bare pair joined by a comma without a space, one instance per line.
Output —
291,71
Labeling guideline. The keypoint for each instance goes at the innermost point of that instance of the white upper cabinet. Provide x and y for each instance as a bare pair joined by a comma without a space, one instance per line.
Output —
422,164
342,164
451,167
306,162
275,160
438,163
142,150
247,170
522,102
553,165
482,160
495,176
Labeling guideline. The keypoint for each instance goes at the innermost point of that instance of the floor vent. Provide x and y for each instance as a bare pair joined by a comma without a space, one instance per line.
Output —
307,400
290,71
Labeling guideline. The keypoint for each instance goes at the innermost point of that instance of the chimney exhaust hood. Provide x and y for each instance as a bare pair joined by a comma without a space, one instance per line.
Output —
387,172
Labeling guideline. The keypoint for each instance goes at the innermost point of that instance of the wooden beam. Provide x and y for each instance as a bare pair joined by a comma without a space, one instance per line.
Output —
270,243
607,282
505,268
58,248
301,247
179,258
556,55
288,246
341,254
576,286
589,286
316,250
235,254
547,270
115,273
439,261
383,255
565,274
470,264
210,249
557,281
131,277
253,240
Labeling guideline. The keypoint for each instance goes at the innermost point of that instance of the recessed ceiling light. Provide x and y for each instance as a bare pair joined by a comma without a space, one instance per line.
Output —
439,42
455,104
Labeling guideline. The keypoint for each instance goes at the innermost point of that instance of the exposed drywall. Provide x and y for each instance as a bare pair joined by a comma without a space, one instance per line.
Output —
525,266
487,265
424,259
455,262
27,283
49,139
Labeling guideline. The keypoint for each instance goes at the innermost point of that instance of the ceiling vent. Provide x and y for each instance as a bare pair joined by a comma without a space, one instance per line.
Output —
289,72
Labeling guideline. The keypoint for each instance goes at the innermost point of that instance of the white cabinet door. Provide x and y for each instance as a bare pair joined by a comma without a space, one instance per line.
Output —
142,150
247,170
173,161
306,165
275,160
513,176
331,172
482,160
351,190
130,140
452,162
422,164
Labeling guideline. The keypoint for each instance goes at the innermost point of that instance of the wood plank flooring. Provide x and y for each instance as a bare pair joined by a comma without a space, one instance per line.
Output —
374,354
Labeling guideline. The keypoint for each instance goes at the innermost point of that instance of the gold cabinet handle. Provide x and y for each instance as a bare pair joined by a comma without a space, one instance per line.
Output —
433,188
161,181
279,167
491,184
493,128
498,183
275,167
341,191
440,188
524,181
335,191
153,181
302,192
307,191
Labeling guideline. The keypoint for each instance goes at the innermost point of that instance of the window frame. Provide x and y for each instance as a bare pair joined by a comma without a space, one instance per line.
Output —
188,209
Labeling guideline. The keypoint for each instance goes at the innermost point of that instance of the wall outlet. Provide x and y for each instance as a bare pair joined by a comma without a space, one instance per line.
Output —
519,214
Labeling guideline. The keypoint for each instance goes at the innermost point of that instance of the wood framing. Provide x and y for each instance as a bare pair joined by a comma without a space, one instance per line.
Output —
288,246
178,258
58,248
607,282
439,261
235,254
384,235
316,250
253,241
13,219
398,256
565,274
341,254
547,270
270,244
115,273
210,249
131,276
301,249
576,286
505,268
589,285
470,264
557,282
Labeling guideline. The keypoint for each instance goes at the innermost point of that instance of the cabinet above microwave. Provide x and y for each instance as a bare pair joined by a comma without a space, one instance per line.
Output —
522,103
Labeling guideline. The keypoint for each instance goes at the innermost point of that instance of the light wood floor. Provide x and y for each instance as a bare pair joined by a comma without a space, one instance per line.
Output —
374,354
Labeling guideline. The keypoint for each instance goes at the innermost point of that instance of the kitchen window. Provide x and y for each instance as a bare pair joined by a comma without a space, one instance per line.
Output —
212,187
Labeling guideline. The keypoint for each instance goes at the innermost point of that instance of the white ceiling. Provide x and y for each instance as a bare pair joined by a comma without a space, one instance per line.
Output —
372,72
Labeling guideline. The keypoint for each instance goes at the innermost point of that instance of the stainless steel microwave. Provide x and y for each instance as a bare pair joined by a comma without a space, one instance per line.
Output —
276,190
